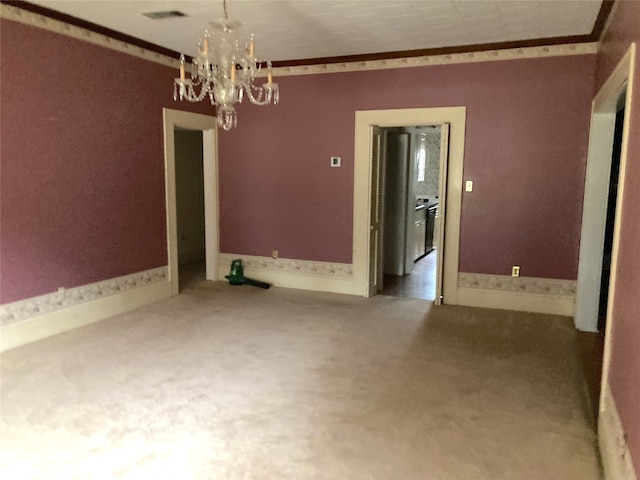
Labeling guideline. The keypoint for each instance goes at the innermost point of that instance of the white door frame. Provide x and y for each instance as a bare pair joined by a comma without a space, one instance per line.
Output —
445,133
594,214
603,122
456,117
208,125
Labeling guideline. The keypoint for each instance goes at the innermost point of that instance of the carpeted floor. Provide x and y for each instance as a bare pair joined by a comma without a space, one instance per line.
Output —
239,383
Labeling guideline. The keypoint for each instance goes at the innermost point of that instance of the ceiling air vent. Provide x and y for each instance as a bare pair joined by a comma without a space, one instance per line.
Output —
165,14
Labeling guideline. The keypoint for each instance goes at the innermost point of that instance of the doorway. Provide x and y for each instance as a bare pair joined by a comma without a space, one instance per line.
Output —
604,193
365,241
190,215
592,343
612,200
178,121
411,191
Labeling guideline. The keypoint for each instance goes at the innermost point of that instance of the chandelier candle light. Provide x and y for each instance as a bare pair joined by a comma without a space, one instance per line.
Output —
224,70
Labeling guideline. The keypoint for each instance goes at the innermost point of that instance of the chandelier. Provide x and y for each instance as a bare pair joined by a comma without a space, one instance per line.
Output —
224,70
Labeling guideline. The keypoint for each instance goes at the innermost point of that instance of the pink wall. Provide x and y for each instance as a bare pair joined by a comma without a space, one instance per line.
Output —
82,172
625,357
526,145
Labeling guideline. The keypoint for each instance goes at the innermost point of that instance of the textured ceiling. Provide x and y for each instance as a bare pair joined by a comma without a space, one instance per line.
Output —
300,29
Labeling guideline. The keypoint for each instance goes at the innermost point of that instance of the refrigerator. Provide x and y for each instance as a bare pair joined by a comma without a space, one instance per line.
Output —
396,203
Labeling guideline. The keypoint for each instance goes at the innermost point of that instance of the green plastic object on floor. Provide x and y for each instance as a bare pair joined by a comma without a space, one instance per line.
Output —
236,276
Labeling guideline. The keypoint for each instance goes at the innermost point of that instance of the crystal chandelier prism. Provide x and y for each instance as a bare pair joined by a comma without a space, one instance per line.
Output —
224,70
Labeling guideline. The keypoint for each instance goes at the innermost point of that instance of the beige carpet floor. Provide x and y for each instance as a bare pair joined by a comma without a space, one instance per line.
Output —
239,383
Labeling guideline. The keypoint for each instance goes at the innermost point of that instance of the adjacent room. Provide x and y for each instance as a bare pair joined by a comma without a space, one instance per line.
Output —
320,239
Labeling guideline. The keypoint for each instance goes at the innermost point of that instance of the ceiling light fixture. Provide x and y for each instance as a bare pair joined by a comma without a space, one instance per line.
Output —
224,70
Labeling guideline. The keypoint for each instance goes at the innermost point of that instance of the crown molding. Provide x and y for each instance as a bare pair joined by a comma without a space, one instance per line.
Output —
446,59
11,12
51,302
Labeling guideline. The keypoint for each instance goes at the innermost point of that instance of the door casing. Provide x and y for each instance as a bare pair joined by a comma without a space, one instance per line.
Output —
365,119
208,125
605,106
603,118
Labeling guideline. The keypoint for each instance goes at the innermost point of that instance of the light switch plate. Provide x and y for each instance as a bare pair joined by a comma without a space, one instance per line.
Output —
336,161
468,186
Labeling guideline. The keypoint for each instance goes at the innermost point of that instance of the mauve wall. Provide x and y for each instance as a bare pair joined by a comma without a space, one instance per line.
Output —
82,166
526,147
625,357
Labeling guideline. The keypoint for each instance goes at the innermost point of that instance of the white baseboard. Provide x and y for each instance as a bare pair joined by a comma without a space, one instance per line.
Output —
616,458
524,294
521,302
41,317
289,273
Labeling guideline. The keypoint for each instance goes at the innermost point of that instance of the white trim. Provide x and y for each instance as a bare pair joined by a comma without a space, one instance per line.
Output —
208,125
594,214
606,100
517,301
456,117
614,452
40,317
443,170
447,59
603,118
290,273
50,302
211,205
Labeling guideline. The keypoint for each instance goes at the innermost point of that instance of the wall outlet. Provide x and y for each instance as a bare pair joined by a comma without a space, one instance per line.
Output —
468,186
274,254
336,161
515,271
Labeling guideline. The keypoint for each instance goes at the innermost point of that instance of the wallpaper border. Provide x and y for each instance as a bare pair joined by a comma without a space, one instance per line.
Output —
26,309
288,265
17,14
447,59
542,286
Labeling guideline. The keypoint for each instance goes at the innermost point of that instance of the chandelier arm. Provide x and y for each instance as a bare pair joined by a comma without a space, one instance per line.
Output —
260,98
188,93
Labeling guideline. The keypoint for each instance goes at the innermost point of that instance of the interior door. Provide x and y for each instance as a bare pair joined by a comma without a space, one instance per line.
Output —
442,205
375,223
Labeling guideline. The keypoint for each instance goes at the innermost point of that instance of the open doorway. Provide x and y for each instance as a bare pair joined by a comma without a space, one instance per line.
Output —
190,215
612,200
603,198
592,343
367,212
410,204
176,122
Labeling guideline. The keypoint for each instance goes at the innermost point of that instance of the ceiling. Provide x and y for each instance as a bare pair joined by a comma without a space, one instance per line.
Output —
307,29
